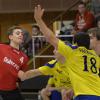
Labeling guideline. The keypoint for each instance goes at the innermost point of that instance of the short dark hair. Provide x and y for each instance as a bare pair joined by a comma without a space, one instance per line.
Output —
36,26
82,39
95,32
82,3
97,19
11,29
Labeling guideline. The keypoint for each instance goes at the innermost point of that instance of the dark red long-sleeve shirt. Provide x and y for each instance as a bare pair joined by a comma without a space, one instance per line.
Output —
89,21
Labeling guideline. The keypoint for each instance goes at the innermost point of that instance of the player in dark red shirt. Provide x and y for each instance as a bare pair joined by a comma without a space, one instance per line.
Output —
11,61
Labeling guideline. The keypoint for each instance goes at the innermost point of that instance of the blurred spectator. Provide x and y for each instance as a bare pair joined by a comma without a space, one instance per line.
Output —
66,30
96,7
84,19
88,4
38,41
98,22
92,30
35,30
26,46
93,6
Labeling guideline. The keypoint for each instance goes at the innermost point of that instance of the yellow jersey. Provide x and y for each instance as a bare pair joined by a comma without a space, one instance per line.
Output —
83,68
55,69
51,81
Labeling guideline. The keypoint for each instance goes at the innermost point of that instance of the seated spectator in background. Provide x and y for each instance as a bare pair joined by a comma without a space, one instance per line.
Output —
95,4
37,40
98,22
88,4
26,46
93,30
35,30
84,19
66,30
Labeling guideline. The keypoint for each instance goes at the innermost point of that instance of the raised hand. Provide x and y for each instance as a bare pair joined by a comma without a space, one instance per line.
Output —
51,38
38,12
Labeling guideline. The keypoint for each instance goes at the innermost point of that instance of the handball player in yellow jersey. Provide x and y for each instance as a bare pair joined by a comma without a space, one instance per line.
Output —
82,64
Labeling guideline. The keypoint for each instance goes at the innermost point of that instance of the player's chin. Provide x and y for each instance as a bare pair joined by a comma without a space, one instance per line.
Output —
20,42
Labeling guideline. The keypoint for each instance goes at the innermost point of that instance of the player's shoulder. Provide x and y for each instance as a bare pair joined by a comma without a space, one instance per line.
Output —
72,46
62,43
87,51
68,44
24,55
51,63
2,45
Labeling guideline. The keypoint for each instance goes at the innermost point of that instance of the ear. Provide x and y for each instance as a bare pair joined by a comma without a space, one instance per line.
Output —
10,37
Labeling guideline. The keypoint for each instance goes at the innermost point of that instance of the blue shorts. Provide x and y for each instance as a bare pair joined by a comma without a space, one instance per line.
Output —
87,97
55,95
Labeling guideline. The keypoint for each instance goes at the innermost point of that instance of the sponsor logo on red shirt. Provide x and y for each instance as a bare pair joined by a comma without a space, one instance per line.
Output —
9,61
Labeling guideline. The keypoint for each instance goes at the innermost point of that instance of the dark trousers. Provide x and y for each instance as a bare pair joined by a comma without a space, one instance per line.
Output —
55,95
87,97
11,95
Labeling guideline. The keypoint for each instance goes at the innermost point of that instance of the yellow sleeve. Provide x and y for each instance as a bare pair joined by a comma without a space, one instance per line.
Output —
51,81
64,49
47,69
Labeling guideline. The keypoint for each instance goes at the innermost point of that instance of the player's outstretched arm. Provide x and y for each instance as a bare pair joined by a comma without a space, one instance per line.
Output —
51,38
29,74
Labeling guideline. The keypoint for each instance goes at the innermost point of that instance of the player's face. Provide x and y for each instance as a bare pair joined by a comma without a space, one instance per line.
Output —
17,36
93,41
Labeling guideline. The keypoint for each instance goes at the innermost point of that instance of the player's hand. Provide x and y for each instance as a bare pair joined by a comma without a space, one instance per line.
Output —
69,94
38,12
